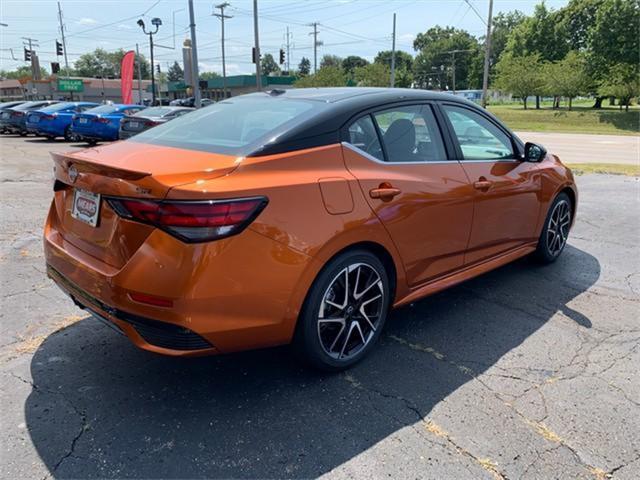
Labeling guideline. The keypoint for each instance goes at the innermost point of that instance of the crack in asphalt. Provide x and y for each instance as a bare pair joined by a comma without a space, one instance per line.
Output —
81,414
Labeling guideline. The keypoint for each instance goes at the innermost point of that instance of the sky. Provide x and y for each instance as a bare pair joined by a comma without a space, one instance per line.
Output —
346,27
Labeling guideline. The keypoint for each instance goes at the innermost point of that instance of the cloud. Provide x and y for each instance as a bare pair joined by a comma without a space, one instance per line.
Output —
124,26
87,21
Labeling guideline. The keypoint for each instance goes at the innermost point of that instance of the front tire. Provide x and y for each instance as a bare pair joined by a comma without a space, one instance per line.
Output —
555,230
344,312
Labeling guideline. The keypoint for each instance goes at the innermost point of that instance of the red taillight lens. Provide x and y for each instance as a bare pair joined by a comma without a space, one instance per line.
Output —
151,299
102,120
193,221
150,123
49,117
17,114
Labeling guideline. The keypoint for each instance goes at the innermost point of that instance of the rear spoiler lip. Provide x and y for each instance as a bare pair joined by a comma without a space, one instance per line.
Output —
65,160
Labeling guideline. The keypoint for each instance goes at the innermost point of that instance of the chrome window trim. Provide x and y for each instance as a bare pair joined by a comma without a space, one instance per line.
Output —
376,160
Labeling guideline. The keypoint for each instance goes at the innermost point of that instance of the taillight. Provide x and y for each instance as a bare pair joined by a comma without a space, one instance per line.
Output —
49,117
150,123
17,114
199,221
101,120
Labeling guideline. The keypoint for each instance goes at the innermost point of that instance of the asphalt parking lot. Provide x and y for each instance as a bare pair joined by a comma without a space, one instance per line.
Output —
525,372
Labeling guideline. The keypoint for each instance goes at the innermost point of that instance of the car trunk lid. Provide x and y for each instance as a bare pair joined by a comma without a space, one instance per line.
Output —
124,169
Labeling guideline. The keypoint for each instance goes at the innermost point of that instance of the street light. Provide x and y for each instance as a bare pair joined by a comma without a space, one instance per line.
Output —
156,22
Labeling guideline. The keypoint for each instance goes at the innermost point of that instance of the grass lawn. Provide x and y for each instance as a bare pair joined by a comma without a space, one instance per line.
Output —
582,119
610,168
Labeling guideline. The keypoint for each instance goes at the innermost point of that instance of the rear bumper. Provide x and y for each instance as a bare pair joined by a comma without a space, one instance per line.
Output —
124,134
229,295
91,134
44,129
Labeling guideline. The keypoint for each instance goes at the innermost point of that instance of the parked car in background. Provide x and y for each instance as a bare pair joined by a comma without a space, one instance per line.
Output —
4,107
149,117
15,118
190,102
101,123
55,120
302,216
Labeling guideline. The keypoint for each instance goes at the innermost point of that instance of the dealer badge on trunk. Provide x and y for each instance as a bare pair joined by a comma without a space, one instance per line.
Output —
73,174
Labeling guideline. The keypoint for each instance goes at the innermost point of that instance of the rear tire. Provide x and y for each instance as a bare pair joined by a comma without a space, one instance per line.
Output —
555,230
68,136
22,134
344,312
92,142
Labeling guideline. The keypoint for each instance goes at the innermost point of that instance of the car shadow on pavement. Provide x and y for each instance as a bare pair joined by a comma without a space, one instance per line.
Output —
100,408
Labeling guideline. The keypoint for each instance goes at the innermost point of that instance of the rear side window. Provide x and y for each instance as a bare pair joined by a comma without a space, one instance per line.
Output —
478,137
103,109
410,134
362,134
232,126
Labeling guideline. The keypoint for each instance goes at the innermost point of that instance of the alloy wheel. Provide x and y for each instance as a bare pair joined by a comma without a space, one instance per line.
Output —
350,311
558,227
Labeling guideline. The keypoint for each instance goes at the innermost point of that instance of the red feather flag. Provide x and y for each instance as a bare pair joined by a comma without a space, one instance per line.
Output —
126,77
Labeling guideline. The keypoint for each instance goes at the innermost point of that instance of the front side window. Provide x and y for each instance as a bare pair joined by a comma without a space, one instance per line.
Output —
362,134
410,134
103,109
478,137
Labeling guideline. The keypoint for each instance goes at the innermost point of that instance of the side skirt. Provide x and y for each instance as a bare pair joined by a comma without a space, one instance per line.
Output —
465,274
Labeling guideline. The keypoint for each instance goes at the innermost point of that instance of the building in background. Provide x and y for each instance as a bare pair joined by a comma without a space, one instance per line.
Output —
81,88
236,85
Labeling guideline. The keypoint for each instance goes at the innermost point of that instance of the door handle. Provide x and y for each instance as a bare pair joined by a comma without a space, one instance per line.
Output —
384,192
482,184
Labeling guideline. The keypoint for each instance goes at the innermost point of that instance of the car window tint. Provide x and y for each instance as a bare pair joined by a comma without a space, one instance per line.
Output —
478,137
410,134
231,126
362,134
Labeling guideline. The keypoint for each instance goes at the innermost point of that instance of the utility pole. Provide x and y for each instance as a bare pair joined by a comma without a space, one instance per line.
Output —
64,43
257,46
222,16
32,57
288,52
393,54
487,55
194,57
453,65
315,45
139,75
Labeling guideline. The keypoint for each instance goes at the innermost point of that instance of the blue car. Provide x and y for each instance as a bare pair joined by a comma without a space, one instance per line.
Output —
55,120
14,119
101,123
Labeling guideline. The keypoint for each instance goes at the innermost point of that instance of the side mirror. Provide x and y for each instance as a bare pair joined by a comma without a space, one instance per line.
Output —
534,152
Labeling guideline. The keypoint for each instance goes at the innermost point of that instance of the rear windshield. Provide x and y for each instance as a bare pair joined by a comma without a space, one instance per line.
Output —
234,126
57,107
30,106
154,112
103,109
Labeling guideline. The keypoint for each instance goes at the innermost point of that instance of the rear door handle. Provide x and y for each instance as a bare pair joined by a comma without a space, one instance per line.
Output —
384,193
482,185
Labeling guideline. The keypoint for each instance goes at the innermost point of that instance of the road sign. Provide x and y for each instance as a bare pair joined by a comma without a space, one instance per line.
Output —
70,85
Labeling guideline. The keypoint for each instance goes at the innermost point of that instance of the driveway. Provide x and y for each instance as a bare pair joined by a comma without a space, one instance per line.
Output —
525,372
583,148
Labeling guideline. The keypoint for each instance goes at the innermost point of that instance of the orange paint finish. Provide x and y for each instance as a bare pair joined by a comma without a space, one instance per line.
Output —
246,291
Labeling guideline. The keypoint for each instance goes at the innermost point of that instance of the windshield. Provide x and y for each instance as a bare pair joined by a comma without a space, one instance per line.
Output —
154,112
103,109
234,126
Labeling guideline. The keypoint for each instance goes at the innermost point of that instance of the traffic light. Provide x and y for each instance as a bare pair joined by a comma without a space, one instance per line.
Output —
55,67
158,68
253,54
59,50
27,55
281,56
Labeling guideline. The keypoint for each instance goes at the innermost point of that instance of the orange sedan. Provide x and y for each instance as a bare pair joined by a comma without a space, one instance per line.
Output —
300,216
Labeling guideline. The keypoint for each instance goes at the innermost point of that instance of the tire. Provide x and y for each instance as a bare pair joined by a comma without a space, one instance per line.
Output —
555,230
92,142
336,330
68,136
22,134
51,138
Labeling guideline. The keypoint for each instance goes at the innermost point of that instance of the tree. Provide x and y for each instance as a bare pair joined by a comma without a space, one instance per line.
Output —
568,77
304,67
101,63
404,60
577,19
23,71
373,75
331,61
268,65
434,46
175,73
623,83
325,77
352,62
521,76
208,75
502,26
542,33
